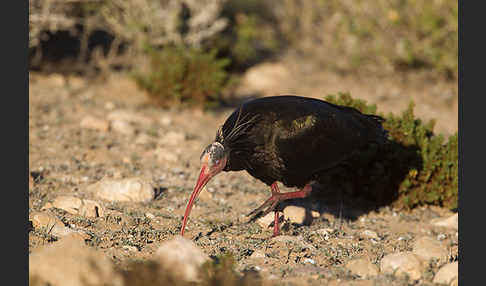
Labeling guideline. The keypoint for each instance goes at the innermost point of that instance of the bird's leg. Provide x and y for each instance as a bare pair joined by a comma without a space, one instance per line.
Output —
276,229
277,197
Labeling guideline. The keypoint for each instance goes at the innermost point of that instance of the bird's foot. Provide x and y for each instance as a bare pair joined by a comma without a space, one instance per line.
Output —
271,203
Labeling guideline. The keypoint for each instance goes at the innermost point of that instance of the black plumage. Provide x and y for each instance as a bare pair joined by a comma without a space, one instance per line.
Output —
289,139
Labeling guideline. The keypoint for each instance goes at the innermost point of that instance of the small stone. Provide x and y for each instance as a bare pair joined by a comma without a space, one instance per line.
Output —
70,262
266,220
122,127
309,260
451,222
68,203
91,208
362,267
51,223
402,263
428,248
130,248
150,215
166,120
257,254
369,234
90,122
172,138
124,190
182,257
315,214
447,274
297,215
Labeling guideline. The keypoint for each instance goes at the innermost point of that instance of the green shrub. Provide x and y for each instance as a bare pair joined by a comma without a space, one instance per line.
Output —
416,167
183,76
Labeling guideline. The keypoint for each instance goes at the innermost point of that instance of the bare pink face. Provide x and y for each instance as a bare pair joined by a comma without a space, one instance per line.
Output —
213,161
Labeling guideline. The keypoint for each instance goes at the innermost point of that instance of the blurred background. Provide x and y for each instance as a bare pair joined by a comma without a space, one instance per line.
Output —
209,53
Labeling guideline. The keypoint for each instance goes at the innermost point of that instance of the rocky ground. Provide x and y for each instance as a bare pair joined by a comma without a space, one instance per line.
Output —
113,173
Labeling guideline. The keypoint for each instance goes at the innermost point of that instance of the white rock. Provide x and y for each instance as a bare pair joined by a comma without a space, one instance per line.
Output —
124,190
51,223
122,127
181,257
369,234
447,274
90,122
68,203
402,263
91,208
309,260
266,220
451,222
69,262
296,215
428,248
166,120
264,78
77,206
150,215
362,267
257,254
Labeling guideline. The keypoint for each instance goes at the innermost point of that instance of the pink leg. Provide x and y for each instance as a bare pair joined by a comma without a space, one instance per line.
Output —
277,197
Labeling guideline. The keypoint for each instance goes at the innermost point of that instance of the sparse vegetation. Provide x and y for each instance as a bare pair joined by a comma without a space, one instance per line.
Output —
417,167
183,76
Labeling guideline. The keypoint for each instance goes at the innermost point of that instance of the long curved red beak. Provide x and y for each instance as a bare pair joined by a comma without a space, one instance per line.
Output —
204,177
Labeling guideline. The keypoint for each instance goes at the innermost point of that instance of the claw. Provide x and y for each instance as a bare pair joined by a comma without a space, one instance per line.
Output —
261,211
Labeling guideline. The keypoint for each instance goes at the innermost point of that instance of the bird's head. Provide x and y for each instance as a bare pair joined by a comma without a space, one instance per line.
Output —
213,161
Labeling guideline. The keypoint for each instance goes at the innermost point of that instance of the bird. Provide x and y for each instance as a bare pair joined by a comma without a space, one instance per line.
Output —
289,139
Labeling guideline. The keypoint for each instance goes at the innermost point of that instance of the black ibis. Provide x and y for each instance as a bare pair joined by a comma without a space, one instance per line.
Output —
287,139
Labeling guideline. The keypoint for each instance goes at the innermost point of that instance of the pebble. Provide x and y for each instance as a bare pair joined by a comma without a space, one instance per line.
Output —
309,260
123,190
182,257
428,248
362,267
447,274
90,122
166,121
150,215
257,254
402,263
68,203
51,223
451,222
69,262
369,234
122,127
77,206
266,220
297,215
